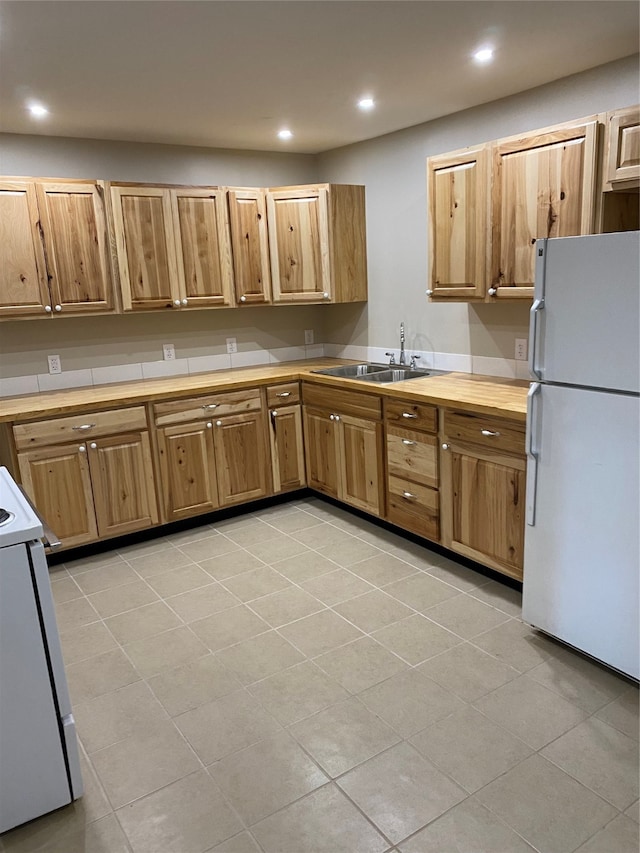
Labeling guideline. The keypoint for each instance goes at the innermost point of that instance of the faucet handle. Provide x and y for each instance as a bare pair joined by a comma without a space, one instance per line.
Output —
392,357
414,358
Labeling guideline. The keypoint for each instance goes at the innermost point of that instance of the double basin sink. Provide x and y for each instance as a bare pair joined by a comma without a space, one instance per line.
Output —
378,372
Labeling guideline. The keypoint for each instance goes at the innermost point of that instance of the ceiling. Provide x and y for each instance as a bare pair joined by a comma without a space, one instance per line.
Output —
231,73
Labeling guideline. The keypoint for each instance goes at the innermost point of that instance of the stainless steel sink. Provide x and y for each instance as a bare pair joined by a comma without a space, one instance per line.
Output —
352,371
399,374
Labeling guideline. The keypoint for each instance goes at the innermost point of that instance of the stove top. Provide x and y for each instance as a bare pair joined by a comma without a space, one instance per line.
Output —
19,522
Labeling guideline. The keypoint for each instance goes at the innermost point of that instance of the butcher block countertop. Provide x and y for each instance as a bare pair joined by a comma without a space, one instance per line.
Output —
468,392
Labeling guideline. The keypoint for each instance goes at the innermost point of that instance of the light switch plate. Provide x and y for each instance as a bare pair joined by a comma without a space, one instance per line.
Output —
55,365
308,336
168,352
232,345
521,349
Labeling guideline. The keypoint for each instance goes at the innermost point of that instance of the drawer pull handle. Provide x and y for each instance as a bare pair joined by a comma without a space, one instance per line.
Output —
284,394
408,442
489,433
83,427
409,496
408,415
210,406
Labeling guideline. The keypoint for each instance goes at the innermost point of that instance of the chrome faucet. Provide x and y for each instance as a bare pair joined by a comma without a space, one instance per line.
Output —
402,359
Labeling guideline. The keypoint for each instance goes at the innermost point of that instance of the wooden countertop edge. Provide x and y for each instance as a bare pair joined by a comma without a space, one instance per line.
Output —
491,395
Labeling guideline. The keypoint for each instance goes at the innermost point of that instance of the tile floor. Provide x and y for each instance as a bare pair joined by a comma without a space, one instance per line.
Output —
299,680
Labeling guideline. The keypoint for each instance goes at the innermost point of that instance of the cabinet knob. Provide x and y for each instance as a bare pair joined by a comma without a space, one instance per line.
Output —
176,302
58,307
185,301
325,295
445,446
218,423
274,413
337,417
209,425
489,432
93,445
47,308
82,448
332,417
492,291
429,292
243,299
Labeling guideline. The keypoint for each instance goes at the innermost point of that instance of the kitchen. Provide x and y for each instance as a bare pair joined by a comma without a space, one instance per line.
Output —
476,337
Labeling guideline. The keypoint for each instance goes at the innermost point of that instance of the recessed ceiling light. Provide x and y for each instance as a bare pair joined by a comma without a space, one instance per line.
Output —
284,133
483,55
37,110
366,103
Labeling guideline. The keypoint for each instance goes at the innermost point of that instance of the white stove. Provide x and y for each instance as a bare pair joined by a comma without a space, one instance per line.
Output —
22,525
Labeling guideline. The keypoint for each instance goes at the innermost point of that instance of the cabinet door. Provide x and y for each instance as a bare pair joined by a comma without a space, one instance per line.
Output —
123,483
299,243
484,506
287,448
146,248
458,236
241,458
58,482
248,222
543,186
23,275
75,237
322,451
361,481
203,246
622,160
187,470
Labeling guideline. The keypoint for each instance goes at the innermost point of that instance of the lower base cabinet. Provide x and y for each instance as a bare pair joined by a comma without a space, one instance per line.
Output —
187,470
287,448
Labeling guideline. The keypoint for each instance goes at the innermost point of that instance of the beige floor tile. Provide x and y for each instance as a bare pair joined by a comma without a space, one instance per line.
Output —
87,564
373,610
465,616
323,822
634,811
212,546
101,674
416,639
383,569
588,684
293,522
119,599
64,588
274,550
160,756
193,684
502,597
456,575
75,614
226,725
602,758
305,566
179,580
297,692
336,586
530,711
259,657
619,836
467,671
202,602
146,546
421,591
250,531
228,627
230,565
157,562
241,843
343,736
86,642
400,791
267,776
192,534
117,715
142,622
470,748
188,815
319,536
165,651
319,633
256,583
409,702
346,553
360,664
419,556
286,606
469,826
102,836
622,713
549,809
517,645
106,577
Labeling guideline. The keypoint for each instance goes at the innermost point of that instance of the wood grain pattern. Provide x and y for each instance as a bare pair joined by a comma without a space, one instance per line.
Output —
187,470
322,451
287,448
622,158
250,242
347,243
335,399
284,394
409,414
213,405
78,428
491,433
412,455
361,478
23,275
413,507
241,444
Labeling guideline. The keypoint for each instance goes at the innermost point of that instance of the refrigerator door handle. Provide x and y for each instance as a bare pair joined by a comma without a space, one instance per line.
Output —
536,308
532,452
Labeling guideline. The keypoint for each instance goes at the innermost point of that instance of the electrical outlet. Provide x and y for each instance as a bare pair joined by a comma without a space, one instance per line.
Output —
308,336
55,365
521,349
168,352
232,345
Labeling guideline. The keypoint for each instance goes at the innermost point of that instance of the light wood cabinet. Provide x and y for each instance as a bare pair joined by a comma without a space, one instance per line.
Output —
317,243
241,458
323,460
483,471
173,246
187,470
622,154
458,185
286,437
250,245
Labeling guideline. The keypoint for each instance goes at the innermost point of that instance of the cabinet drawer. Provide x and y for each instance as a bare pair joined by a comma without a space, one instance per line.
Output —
78,427
283,395
341,401
413,507
213,405
412,455
485,431
414,415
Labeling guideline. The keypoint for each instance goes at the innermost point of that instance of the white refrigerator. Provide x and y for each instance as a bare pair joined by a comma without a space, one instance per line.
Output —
582,540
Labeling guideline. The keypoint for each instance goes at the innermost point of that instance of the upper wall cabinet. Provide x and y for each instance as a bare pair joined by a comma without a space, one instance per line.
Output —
54,257
250,244
318,243
458,199
173,246
622,158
